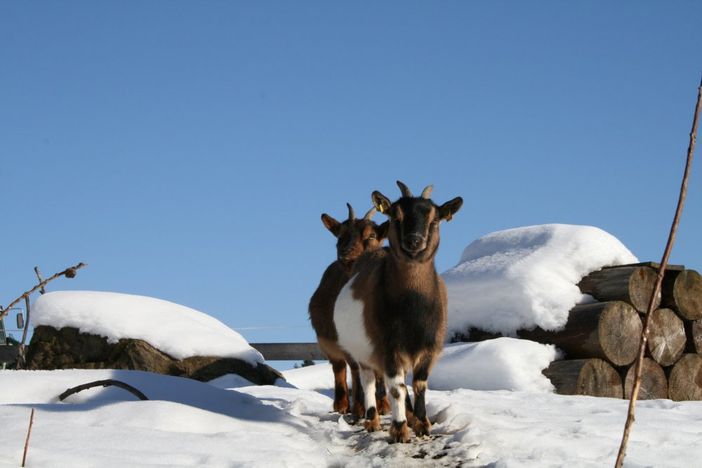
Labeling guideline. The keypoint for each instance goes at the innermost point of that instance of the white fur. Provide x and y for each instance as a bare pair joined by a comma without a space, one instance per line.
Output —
350,326
397,404
368,383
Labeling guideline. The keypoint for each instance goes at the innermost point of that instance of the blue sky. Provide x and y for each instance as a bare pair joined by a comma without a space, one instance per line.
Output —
185,150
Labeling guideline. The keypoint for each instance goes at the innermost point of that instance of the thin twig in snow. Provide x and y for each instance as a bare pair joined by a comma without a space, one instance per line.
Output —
26,442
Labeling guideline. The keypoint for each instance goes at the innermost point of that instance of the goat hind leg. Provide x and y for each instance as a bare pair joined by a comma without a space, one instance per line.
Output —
381,395
372,422
341,389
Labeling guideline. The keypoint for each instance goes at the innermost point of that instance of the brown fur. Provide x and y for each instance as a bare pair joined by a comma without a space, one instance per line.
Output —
355,236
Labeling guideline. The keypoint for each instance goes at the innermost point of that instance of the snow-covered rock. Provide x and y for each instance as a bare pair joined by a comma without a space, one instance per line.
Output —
179,331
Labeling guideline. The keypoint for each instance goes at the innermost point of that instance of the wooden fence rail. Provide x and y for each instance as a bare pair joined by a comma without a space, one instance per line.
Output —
289,351
270,351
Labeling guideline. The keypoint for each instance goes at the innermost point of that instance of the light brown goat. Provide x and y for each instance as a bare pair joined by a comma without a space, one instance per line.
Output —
391,315
355,236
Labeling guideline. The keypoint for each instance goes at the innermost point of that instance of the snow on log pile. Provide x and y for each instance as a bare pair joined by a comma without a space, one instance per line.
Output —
580,289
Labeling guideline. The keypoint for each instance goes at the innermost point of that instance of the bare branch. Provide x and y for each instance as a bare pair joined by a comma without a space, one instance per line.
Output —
659,280
69,272
39,277
103,383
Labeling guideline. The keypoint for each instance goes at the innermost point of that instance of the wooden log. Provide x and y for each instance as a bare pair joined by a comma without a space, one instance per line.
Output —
654,384
593,377
629,283
685,382
656,266
605,330
666,337
693,330
682,291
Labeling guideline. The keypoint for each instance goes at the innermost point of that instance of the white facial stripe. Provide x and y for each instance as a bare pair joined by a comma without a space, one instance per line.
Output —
350,326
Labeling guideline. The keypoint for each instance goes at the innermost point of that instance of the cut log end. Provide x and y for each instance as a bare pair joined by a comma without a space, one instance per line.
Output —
619,333
666,337
633,284
685,381
654,384
694,336
593,377
682,291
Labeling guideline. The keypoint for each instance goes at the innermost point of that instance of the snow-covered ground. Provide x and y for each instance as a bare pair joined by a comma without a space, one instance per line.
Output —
188,423
489,401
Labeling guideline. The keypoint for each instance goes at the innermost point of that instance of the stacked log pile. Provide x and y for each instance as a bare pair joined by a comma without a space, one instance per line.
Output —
603,337
600,340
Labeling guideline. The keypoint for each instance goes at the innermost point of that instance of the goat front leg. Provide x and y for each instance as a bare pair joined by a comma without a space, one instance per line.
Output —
372,422
398,392
341,389
421,424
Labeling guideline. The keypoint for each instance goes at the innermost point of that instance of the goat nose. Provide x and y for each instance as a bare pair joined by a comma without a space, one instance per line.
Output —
345,252
413,241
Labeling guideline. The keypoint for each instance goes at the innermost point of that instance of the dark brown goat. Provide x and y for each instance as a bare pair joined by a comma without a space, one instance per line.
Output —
355,236
391,315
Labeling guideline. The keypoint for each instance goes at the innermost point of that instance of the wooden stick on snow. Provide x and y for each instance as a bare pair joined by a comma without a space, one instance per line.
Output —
26,441
659,280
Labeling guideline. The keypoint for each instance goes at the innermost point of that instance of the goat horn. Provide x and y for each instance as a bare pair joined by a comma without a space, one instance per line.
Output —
368,216
352,215
405,191
426,193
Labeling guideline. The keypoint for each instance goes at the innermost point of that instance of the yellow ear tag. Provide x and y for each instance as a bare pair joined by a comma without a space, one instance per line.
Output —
380,208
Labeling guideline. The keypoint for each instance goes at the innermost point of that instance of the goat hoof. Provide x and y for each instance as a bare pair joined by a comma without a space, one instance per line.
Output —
399,432
341,406
383,405
421,428
358,411
372,425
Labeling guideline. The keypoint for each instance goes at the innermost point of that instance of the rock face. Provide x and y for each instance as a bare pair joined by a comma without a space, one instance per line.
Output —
67,348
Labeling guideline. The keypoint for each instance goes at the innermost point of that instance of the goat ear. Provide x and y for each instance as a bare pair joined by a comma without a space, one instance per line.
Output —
381,232
448,209
330,223
380,202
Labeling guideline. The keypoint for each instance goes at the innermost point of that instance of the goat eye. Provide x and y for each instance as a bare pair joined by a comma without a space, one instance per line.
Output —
372,236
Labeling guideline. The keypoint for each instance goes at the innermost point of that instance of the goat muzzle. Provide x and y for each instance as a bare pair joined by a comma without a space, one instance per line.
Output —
413,243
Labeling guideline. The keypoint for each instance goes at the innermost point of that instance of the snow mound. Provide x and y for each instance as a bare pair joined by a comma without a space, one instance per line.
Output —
178,331
527,276
499,364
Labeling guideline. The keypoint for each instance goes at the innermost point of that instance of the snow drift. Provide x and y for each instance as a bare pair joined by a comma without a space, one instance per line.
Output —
499,364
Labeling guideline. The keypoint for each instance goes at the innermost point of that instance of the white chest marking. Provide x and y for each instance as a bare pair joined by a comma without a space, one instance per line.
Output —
350,326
